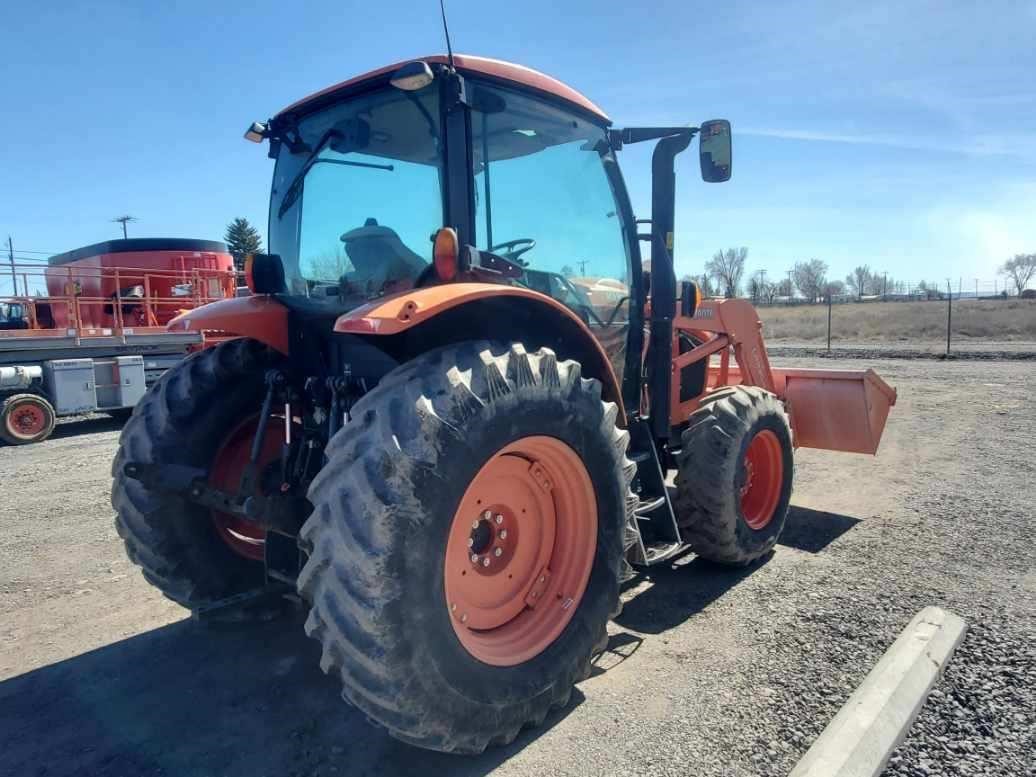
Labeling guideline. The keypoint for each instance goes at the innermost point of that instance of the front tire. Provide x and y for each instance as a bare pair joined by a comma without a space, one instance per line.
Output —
734,476
440,664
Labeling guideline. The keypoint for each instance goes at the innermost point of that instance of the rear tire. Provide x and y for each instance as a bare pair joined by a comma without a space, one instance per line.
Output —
385,504
26,418
183,419
730,513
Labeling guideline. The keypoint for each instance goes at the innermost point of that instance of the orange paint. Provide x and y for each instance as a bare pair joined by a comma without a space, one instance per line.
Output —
520,550
259,317
469,65
840,410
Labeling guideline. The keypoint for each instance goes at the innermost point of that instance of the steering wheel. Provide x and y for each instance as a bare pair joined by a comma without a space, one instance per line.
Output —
512,249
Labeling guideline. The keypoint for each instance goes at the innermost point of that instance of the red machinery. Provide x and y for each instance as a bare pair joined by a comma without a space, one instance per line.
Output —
87,331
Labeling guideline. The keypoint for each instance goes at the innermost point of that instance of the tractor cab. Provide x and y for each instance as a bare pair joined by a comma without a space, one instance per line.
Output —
427,173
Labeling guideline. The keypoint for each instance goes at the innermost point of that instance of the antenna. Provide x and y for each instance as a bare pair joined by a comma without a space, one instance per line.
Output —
446,29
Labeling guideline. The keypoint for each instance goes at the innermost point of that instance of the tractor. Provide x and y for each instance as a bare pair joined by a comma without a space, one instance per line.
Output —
448,415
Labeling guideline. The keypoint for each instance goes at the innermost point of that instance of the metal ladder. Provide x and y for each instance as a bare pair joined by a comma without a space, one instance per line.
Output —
653,535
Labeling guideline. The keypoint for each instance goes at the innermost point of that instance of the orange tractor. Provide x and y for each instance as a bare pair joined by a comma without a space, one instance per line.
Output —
450,450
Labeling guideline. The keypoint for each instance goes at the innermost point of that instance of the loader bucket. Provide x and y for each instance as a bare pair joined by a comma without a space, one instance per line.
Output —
836,410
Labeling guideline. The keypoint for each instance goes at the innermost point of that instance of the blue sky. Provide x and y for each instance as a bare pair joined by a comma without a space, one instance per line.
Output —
900,135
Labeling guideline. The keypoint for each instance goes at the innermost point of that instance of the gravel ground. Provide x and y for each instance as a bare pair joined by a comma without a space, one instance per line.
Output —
709,671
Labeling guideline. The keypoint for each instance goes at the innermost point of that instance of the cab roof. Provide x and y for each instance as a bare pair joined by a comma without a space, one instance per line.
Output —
466,64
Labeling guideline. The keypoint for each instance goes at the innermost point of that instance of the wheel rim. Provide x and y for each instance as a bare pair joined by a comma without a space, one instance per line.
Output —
520,550
244,537
763,478
26,420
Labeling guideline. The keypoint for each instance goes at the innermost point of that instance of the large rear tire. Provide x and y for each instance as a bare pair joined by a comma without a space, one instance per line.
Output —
192,416
734,477
526,446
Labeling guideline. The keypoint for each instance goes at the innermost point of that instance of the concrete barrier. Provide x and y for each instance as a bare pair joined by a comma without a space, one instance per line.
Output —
860,739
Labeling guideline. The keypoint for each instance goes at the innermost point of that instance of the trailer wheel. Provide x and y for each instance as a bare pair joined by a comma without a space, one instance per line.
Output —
465,543
26,418
197,415
734,476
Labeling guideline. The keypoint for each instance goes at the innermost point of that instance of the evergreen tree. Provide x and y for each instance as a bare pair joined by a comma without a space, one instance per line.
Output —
242,239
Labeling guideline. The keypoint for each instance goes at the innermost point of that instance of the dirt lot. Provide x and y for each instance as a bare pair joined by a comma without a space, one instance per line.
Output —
710,671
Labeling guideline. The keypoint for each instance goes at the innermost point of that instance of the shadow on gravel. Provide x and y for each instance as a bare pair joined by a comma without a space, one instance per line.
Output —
87,426
192,699
679,591
814,530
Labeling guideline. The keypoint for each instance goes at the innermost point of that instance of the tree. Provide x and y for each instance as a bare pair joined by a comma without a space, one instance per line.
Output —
784,288
834,289
727,267
1020,269
242,239
704,282
859,280
759,287
567,271
809,277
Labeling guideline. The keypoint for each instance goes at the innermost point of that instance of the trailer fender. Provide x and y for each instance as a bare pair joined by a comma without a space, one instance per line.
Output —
260,317
421,319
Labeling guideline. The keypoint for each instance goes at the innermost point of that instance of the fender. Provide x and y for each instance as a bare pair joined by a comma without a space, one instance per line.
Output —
407,311
259,317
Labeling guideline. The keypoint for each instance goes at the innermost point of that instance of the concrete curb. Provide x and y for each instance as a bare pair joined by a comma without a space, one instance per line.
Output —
861,737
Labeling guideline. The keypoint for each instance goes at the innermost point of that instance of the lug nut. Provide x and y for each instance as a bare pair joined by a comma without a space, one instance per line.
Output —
498,552
474,524
471,542
503,534
543,579
464,618
499,519
474,558
485,561
488,515
453,607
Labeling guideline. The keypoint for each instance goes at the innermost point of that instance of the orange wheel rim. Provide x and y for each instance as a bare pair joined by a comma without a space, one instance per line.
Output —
520,550
764,477
244,537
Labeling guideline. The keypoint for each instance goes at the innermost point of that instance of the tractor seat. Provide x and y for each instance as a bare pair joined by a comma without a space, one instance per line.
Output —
379,256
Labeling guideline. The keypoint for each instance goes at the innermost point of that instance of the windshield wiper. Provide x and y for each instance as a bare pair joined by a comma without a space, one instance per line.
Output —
295,187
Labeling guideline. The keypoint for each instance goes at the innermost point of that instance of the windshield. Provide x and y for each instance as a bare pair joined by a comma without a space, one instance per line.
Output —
355,205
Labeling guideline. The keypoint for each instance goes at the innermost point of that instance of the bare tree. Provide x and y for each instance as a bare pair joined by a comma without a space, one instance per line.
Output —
833,289
704,282
1020,269
810,277
728,267
758,286
858,280
784,287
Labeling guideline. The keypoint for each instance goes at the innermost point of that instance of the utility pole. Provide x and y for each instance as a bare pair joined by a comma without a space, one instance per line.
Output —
976,288
949,314
885,287
14,276
122,220
582,266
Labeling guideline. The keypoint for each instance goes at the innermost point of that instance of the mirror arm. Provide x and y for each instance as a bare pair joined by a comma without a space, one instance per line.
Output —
619,137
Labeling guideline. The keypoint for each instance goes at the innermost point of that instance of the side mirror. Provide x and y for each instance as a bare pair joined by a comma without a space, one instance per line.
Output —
264,274
714,150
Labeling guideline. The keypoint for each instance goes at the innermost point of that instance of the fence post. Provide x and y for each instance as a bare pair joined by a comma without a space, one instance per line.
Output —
829,322
949,314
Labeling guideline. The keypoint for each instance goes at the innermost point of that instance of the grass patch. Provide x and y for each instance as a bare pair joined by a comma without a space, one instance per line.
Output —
998,320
